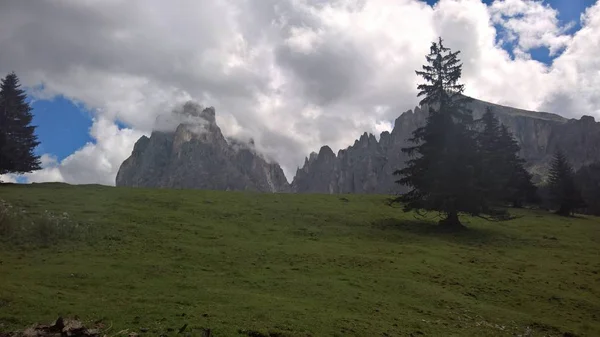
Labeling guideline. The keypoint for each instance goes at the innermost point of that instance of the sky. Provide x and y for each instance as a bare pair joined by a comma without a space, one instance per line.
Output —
292,74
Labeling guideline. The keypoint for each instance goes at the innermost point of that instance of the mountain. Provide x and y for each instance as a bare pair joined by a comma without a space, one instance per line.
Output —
368,165
197,155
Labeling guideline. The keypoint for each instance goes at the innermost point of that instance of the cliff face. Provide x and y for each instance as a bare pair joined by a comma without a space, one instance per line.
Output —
197,156
368,165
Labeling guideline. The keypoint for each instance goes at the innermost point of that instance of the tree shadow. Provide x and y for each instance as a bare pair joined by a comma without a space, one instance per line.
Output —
431,228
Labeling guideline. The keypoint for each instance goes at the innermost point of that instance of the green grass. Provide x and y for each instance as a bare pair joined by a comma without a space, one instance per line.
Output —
300,265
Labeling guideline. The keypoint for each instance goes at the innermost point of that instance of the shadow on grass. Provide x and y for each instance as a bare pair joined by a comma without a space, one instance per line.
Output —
431,228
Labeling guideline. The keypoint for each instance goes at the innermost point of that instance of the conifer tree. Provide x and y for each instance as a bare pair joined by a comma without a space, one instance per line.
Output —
504,177
17,137
565,195
444,167
493,174
519,187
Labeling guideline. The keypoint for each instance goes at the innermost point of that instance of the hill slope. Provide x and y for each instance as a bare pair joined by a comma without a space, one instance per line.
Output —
319,265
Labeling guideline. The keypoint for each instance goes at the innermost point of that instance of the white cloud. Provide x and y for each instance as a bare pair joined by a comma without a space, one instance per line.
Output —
99,162
49,172
291,74
576,73
8,178
95,163
48,160
530,24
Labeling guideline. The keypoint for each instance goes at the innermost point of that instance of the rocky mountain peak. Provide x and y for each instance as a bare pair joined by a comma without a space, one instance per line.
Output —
199,124
194,110
197,155
325,153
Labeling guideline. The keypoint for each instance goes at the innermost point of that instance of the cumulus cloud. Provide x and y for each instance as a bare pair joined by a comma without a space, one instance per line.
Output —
531,24
95,163
8,178
190,113
49,172
291,74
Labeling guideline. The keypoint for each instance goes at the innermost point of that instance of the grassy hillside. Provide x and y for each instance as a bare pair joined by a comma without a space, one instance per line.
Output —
299,265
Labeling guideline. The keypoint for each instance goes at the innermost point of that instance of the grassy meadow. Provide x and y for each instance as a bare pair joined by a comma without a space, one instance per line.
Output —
290,265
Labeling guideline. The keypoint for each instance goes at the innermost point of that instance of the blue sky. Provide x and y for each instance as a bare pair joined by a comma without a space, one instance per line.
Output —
128,69
62,126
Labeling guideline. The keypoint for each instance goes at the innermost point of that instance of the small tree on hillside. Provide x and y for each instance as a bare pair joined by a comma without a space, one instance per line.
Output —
17,137
565,194
444,167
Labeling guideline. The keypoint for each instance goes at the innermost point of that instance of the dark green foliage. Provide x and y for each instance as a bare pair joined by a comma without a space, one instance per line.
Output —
493,176
588,179
564,194
519,188
441,74
443,169
17,137
504,177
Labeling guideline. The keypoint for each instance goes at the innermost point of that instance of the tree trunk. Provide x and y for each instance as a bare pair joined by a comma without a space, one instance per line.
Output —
451,220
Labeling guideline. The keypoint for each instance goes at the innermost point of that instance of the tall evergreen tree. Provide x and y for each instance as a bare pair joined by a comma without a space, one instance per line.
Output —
493,173
17,137
565,195
504,177
519,187
443,168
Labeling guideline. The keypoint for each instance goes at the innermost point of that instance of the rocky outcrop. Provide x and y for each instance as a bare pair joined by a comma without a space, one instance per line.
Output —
368,165
197,156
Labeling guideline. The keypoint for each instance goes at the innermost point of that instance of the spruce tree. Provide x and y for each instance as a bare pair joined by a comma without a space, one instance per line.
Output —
504,177
443,169
493,177
565,195
519,187
17,137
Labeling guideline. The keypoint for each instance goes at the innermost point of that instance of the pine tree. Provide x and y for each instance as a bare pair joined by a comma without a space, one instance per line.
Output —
565,194
443,168
17,137
518,188
493,174
504,177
